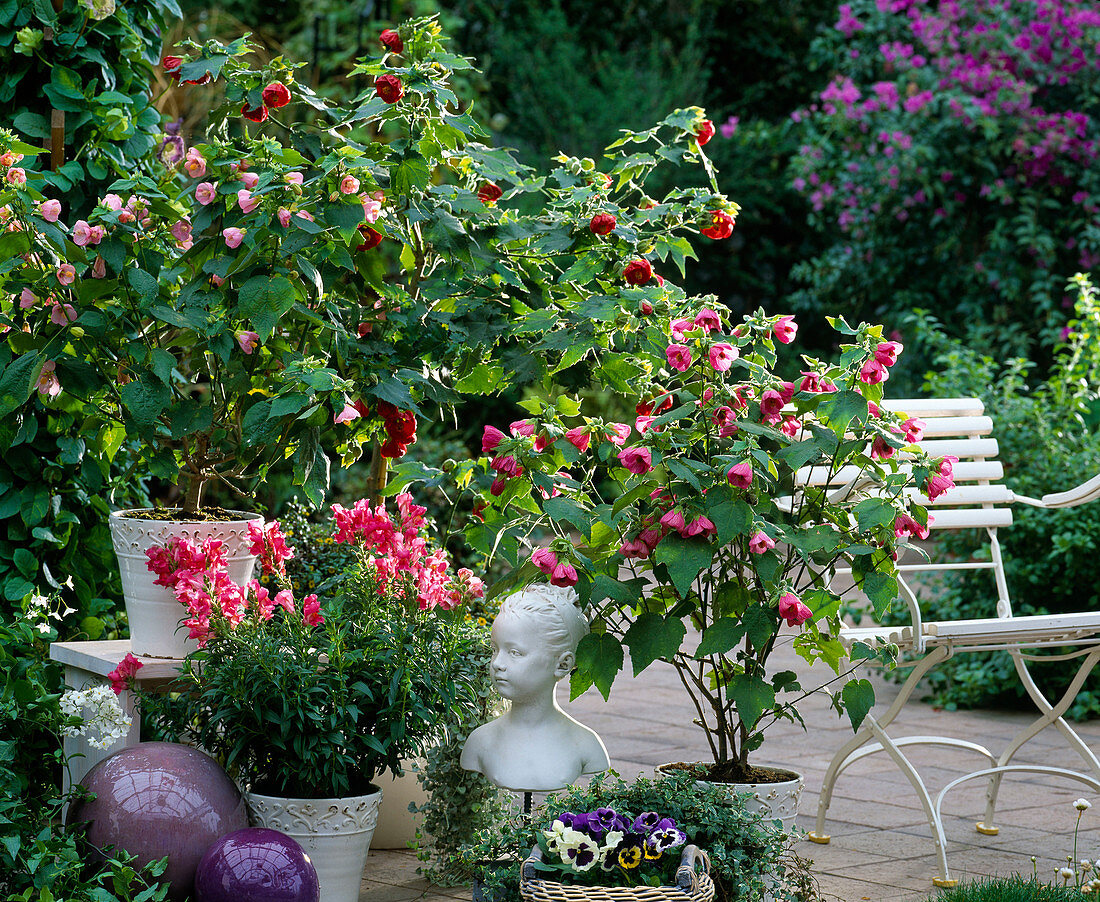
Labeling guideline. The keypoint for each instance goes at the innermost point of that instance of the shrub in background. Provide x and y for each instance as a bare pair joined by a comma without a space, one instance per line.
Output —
950,162
1048,443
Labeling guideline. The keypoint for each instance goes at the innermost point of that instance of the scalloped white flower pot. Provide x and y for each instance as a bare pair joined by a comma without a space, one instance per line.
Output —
153,613
335,834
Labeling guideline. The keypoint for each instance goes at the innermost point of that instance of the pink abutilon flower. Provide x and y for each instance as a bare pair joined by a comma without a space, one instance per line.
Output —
942,480
248,341
634,548
873,372
294,178
793,610
760,543
904,525
50,210
27,299
785,329
246,201
81,232
673,520
679,357
701,526
284,216
740,475
880,449
233,237
506,464
887,352
181,230
349,184
16,176
206,193
914,430
523,428
372,207
63,314
346,415
790,426
563,574
722,356
637,460
490,438
579,437
66,274
618,433
112,202
708,320
771,406
679,326
195,164
47,383
545,560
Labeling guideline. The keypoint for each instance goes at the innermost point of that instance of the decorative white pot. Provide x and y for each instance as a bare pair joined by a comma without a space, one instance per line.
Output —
776,801
335,834
152,611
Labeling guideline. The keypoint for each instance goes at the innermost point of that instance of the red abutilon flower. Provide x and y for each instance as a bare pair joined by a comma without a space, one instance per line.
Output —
704,132
760,543
887,352
873,372
602,224
389,88
771,406
673,520
740,475
637,460
880,449
564,574
942,479
276,95
700,526
254,114
793,610
371,238
489,193
171,63
678,356
391,40
790,426
638,272
784,329
721,225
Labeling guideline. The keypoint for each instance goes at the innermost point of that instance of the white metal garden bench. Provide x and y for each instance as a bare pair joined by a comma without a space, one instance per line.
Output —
958,426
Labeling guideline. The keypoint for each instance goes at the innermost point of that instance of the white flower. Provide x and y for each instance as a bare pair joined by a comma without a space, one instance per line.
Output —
1066,874
1082,804
611,841
104,721
1085,865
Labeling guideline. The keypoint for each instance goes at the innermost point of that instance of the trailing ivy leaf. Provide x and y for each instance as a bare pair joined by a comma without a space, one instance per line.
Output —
653,636
859,698
599,659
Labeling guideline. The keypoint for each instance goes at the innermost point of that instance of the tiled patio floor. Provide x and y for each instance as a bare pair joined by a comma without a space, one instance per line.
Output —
881,847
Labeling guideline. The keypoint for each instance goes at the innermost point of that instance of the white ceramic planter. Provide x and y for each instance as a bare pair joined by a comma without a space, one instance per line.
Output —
776,801
152,611
335,833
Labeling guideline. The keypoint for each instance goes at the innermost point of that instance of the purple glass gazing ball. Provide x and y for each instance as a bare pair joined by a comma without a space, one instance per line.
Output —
158,798
256,865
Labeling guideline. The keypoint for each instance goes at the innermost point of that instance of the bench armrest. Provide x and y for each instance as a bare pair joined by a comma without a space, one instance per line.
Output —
1082,494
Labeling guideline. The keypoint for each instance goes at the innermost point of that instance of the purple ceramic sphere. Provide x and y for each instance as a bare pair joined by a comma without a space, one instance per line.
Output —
158,798
256,865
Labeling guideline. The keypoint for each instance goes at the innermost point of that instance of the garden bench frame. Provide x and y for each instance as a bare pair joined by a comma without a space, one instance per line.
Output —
959,427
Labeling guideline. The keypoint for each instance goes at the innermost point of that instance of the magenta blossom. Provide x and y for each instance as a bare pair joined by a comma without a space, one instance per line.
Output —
637,460
708,320
679,357
579,437
793,610
722,356
760,543
785,329
914,430
490,438
545,560
740,475
942,479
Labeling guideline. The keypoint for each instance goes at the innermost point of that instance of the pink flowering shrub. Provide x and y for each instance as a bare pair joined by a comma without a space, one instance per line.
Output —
696,517
951,162
313,696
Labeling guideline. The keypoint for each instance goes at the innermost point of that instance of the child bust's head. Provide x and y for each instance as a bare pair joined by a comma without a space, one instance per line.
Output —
535,638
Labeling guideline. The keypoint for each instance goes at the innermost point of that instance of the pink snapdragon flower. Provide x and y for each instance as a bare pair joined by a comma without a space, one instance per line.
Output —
311,611
268,543
124,673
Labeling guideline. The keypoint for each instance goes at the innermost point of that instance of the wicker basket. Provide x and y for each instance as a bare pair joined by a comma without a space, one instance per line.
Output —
691,885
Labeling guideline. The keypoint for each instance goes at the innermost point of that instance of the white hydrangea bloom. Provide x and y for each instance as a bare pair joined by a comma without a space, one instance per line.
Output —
104,721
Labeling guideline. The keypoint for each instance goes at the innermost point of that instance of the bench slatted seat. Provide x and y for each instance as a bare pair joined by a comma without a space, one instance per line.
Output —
980,500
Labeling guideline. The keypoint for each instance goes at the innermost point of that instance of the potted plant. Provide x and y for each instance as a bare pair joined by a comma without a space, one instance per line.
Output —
306,702
691,532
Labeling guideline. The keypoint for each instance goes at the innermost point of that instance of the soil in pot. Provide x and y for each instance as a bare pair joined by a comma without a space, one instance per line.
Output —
731,772
178,515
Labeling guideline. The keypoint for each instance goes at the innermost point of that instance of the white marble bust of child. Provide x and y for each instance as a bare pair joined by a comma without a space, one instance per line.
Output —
535,746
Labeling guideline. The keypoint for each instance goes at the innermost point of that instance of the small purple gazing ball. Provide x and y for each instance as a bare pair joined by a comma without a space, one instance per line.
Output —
159,798
256,865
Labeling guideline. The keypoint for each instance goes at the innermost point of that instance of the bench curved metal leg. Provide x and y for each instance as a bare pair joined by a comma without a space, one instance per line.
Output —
1051,714
854,749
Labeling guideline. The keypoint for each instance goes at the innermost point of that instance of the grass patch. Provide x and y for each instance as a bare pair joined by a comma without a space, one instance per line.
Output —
1007,889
